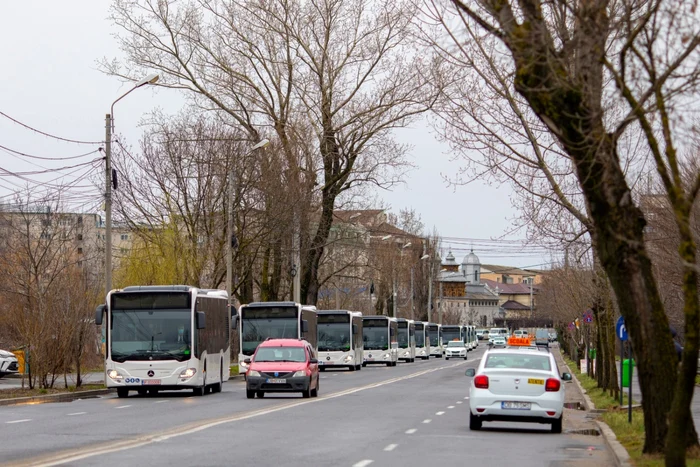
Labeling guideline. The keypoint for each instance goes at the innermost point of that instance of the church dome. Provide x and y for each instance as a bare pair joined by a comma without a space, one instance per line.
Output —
471,258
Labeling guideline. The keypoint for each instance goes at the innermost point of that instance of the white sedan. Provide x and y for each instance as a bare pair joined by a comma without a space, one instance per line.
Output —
456,349
8,363
517,385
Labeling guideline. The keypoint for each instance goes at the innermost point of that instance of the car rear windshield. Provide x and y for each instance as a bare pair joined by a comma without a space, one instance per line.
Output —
280,354
524,361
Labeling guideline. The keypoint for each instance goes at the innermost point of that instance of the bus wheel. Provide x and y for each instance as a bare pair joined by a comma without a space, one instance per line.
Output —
198,391
142,392
359,367
153,392
389,364
364,365
322,368
122,392
352,368
394,363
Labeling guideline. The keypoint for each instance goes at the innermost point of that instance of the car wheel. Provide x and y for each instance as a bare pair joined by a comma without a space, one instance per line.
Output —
557,424
260,394
314,391
465,358
249,394
122,392
474,422
306,394
447,358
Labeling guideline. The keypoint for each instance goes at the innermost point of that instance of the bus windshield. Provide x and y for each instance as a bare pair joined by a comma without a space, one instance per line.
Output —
375,334
450,335
433,337
155,334
420,338
259,324
403,338
333,337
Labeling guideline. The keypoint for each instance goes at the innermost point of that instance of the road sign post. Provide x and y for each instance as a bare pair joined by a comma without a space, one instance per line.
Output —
621,332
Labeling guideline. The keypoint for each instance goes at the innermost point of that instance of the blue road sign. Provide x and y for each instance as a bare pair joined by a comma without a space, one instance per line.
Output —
621,330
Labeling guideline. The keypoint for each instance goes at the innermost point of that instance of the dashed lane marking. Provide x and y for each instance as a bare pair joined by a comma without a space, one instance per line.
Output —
411,431
450,406
76,413
122,407
20,421
391,447
439,413
427,420
363,463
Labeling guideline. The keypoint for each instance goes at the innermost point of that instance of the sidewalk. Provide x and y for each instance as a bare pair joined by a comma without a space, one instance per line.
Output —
15,381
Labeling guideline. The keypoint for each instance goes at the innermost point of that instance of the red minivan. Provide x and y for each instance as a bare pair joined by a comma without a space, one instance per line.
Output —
283,365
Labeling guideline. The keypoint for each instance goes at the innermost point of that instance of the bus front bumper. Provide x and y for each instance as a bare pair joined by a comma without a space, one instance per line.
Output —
336,359
377,356
159,378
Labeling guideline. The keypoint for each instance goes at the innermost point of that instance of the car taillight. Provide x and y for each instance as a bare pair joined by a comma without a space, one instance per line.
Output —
552,385
481,382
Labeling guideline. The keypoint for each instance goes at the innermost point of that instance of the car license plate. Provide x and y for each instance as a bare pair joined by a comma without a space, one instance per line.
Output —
515,405
276,381
150,381
535,381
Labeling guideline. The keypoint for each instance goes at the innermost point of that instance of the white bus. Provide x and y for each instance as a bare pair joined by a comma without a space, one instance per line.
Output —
434,335
340,339
407,340
379,334
166,338
287,320
452,332
422,345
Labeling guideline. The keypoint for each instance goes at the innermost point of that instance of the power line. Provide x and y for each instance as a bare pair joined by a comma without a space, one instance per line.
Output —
45,171
22,154
68,140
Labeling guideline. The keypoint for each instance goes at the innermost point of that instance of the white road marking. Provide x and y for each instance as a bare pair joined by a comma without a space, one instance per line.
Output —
391,447
143,440
20,421
459,402
450,406
76,413
439,413
122,406
466,398
411,431
160,402
427,420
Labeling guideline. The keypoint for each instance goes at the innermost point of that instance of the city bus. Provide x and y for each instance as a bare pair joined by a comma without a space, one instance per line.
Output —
474,338
453,333
422,346
434,335
380,336
407,340
161,338
263,320
340,339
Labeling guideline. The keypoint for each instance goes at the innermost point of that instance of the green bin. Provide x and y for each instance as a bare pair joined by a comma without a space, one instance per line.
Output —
591,354
626,372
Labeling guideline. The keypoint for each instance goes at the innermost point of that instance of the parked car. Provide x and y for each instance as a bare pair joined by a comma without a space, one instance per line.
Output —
8,363
283,365
521,333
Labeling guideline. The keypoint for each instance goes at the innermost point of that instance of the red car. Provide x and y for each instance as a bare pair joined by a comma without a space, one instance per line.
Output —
283,365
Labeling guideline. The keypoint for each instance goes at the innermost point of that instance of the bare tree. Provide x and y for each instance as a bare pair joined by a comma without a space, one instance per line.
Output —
560,58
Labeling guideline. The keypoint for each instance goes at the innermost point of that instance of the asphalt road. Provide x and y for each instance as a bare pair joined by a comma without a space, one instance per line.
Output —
412,414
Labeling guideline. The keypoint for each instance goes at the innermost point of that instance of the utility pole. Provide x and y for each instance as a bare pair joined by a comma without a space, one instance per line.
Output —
413,313
440,306
296,267
393,294
532,279
229,243
108,203
430,290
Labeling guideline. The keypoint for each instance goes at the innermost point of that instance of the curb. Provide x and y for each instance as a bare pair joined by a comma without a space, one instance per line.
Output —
622,457
60,397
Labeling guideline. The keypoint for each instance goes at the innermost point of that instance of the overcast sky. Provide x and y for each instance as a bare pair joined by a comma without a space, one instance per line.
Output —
50,81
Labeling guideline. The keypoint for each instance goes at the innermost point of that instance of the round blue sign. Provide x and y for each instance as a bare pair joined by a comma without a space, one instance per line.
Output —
621,330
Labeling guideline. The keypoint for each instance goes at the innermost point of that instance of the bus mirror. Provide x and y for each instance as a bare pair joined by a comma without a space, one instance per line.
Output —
234,322
354,329
246,361
201,320
99,312
304,326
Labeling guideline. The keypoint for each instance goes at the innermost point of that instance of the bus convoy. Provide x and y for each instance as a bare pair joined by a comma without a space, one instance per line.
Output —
179,337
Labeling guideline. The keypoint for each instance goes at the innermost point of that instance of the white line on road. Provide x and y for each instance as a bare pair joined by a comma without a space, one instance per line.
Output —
391,447
122,406
160,402
20,421
459,402
76,413
427,420
439,413
466,398
363,463
411,431
143,440
450,406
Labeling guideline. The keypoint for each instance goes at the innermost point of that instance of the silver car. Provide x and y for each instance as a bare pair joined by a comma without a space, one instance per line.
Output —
456,349
8,363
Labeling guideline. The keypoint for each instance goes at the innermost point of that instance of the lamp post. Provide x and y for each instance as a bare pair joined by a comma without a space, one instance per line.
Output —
413,313
393,279
232,242
109,129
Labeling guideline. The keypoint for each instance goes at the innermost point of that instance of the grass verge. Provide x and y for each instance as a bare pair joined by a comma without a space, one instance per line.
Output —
26,392
630,435
234,370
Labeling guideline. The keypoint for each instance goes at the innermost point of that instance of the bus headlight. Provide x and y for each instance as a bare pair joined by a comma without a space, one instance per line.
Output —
348,359
387,356
300,373
188,373
115,375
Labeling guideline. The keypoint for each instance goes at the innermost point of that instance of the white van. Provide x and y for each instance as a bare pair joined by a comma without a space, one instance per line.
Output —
498,332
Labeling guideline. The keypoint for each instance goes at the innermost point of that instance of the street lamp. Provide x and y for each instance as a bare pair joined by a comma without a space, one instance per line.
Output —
109,129
393,279
232,242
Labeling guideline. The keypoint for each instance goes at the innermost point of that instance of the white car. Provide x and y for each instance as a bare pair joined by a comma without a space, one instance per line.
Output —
497,341
456,349
8,363
517,385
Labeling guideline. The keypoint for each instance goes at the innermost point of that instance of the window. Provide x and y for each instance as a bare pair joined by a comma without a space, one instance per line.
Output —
125,237
80,251
80,219
80,236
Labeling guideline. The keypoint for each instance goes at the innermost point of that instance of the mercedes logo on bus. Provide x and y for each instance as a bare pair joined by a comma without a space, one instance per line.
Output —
150,373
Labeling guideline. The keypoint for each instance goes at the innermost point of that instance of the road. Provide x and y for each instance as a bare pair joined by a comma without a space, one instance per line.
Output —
413,414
